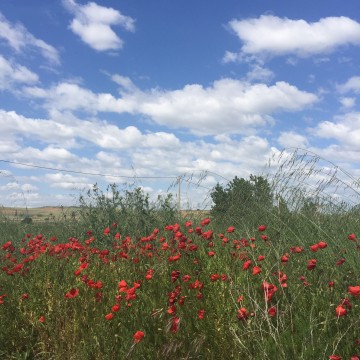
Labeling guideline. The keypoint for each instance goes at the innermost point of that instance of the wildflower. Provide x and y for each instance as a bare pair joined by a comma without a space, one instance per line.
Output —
335,357
340,262
311,264
269,290
42,319
6,245
109,316
122,286
331,284
72,293
246,264
115,308
175,324
201,314
243,314
256,270
354,290
106,231
138,336
272,311
322,244
262,228
352,237
211,253
314,248
284,259
340,311
231,229
205,222
264,237
214,277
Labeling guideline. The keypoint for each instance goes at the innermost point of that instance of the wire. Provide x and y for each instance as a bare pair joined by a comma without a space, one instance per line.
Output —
88,173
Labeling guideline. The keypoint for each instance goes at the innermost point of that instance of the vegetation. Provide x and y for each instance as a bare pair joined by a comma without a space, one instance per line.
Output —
271,274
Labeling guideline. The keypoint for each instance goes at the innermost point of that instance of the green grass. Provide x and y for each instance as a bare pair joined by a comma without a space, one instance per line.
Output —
305,326
177,274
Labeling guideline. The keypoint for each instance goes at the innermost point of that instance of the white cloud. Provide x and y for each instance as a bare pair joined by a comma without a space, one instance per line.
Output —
11,74
345,129
226,106
274,36
352,85
289,139
20,39
347,102
92,23
258,72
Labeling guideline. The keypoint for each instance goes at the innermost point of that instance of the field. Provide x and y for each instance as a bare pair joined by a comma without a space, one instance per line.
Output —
123,279
183,291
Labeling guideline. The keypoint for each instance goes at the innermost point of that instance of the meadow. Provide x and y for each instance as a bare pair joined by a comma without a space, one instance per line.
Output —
152,284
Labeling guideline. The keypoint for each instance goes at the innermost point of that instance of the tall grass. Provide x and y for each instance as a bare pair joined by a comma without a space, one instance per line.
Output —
196,293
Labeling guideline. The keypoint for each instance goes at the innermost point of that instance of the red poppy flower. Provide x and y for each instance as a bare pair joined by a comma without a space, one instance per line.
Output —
340,262
211,253
261,257
272,311
262,228
175,321
42,319
331,284
205,222
109,316
355,357
231,229
322,244
340,311
72,293
138,336
269,290
256,270
311,264
201,314
106,231
122,286
335,357
247,264
243,314
352,237
314,248
354,290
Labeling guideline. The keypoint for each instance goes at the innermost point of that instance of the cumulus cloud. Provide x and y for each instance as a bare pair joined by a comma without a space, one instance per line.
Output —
352,85
93,24
67,130
20,39
275,36
347,102
344,129
12,73
226,106
291,139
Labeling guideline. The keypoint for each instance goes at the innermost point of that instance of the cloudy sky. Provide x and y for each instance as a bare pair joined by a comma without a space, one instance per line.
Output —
139,89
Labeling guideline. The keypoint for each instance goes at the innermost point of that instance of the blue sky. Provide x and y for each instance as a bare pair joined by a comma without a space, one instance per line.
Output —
171,88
